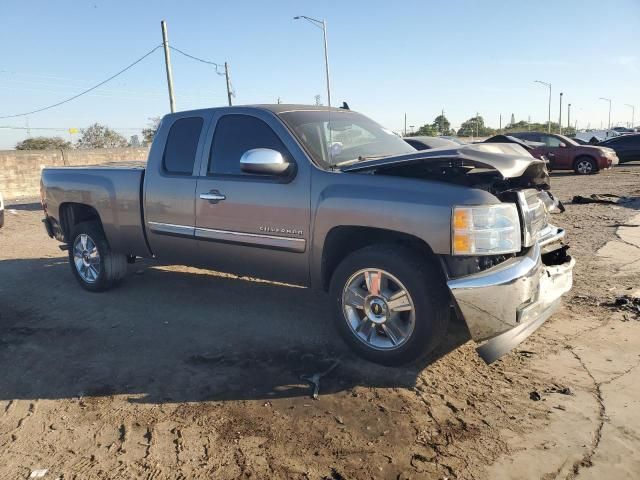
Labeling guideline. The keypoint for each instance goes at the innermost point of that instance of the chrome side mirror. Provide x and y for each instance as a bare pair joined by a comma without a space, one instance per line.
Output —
263,161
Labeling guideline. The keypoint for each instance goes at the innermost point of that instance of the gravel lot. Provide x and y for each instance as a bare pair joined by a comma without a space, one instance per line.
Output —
185,373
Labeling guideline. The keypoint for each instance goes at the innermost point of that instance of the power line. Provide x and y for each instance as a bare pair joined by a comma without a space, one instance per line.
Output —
193,57
85,91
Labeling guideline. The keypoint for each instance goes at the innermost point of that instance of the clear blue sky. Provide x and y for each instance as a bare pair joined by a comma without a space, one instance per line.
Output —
386,58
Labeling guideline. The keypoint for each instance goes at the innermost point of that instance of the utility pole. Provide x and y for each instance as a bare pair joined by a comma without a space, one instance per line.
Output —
608,100
477,122
405,124
167,62
569,116
549,117
500,129
560,118
442,122
226,75
633,114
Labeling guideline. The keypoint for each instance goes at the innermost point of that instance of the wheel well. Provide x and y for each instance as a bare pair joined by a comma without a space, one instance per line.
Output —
341,241
72,214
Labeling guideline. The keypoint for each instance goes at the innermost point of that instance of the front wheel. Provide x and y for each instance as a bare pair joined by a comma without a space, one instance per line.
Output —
391,304
92,262
585,166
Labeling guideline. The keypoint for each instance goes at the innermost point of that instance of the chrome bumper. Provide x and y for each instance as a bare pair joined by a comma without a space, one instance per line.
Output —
507,303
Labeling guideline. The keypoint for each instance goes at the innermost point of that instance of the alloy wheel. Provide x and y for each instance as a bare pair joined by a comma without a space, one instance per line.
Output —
378,308
86,258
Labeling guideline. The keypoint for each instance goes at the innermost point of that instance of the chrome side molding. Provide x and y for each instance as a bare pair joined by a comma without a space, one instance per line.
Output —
273,242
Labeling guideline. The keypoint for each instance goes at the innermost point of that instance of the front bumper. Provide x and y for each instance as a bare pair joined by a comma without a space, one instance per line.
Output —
507,303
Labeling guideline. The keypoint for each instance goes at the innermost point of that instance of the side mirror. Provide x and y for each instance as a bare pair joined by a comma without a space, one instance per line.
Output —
263,161
563,145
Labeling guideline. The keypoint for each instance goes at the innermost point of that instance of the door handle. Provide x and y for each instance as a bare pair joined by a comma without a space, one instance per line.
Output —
213,197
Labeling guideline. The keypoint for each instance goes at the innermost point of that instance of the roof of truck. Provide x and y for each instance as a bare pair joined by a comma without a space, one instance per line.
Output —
293,107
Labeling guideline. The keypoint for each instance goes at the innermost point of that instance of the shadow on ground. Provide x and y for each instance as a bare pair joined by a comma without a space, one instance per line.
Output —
174,336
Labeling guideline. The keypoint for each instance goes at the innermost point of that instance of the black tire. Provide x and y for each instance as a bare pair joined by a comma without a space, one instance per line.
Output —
112,266
585,166
424,282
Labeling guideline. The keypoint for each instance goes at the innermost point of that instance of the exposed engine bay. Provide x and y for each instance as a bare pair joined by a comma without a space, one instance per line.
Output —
493,167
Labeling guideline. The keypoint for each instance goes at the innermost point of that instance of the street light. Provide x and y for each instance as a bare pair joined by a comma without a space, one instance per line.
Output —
549,118
608,100
560,117
633,114
569,116
322,24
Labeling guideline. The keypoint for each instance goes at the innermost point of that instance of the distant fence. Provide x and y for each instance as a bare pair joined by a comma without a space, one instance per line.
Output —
20,169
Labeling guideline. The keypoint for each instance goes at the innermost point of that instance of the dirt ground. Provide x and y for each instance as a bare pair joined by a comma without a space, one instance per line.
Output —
186,374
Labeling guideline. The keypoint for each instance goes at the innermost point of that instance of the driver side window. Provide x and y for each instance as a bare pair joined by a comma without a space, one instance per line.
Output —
235,135
550,141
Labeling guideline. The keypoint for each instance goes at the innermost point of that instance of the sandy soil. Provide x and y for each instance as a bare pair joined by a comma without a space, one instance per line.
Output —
184,373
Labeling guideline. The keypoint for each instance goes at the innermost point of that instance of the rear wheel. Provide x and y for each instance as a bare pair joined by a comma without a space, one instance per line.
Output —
92,262
391,305
585,166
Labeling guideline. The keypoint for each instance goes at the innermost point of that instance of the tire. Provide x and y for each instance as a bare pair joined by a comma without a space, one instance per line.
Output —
422,318
585,166
92,262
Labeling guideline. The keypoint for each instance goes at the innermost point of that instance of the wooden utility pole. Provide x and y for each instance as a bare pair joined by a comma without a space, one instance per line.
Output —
167,62
226,75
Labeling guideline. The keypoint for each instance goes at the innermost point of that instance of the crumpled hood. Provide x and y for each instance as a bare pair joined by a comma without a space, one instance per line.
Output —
509,159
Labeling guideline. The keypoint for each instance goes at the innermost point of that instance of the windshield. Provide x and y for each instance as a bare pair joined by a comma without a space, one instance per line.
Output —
335,138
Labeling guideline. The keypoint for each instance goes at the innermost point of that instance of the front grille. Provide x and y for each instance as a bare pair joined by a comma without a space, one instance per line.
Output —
535,223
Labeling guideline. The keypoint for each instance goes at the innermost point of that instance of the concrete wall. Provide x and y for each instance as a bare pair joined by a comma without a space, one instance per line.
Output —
20,169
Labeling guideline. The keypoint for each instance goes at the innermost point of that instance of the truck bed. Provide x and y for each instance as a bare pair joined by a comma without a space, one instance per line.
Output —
114,190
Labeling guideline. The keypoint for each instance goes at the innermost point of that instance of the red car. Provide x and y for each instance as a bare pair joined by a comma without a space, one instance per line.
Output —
566,154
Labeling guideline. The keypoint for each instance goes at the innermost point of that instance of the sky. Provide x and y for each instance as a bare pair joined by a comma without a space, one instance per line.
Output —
386,59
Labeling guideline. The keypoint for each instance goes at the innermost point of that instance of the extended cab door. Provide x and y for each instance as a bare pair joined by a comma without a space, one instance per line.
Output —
253,224
170,186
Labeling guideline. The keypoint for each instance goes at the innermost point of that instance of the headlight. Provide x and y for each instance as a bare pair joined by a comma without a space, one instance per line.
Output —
485,230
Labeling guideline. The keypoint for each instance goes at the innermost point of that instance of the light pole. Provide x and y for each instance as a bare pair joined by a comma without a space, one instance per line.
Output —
560,117
633,114
322,24
608,100
568,116
549,118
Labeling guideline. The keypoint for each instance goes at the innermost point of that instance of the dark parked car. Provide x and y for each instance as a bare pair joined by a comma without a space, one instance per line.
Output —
627,147
624,130
427,143
532,147
566,154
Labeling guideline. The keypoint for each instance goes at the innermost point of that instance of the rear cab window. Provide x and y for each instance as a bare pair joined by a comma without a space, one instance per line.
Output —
182,144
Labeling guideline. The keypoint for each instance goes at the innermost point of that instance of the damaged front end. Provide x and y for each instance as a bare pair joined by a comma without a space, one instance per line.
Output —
504,296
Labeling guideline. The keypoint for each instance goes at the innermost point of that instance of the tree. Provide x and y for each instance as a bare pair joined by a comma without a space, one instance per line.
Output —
442,125
43,143
425,130
150,132
100,136
475,127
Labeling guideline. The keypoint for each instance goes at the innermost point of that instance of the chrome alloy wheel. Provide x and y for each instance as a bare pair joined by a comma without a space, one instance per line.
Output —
584,167
86,258
379,309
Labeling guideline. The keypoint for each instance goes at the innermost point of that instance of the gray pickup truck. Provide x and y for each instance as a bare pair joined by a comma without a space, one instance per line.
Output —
402,240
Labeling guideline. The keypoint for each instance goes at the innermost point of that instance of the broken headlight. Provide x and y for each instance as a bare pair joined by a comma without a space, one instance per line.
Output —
485,230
